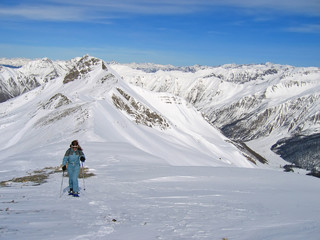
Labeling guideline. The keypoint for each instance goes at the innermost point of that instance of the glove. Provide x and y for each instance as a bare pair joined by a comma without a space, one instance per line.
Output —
64,168
82,158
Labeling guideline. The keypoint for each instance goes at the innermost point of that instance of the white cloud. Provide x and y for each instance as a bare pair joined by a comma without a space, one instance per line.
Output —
97,10
43,12
52,13
307,28
309,7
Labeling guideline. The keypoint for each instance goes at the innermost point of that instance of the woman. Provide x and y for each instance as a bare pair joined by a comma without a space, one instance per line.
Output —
73,157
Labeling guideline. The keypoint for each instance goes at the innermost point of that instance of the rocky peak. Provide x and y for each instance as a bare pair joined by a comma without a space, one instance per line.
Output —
83,66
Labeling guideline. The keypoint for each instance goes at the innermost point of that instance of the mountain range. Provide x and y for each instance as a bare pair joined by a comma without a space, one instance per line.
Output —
269,107
266,110
84,98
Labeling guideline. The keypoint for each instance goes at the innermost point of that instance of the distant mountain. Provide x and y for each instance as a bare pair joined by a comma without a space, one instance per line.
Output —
16,81
84,98
264,108
262,105
14,62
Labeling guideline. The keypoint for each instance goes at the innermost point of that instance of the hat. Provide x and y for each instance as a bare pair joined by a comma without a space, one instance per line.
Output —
74,143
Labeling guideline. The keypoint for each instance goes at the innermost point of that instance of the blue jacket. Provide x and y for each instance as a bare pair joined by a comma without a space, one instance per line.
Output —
72,157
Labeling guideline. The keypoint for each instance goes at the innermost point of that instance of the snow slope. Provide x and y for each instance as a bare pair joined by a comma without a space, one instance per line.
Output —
85,109
261,104
161,170
256,104
128,199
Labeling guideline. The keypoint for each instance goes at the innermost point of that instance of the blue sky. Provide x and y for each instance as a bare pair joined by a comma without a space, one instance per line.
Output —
178,32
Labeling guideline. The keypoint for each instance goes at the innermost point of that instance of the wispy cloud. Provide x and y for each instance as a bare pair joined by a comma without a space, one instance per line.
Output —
71,10
42,12
56,13
305,7
310,7
94,10
150,7
307,28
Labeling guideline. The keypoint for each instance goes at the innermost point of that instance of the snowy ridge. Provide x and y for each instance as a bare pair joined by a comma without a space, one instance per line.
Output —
84,92
247,102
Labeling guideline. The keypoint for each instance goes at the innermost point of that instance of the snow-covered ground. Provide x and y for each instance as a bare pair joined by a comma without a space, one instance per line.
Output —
183,180
132,198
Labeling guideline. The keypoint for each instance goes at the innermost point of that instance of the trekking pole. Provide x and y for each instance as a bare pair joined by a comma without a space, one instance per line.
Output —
84,186
61,184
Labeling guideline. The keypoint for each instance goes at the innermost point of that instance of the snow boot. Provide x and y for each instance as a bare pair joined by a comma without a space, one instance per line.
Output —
76,194
70,192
